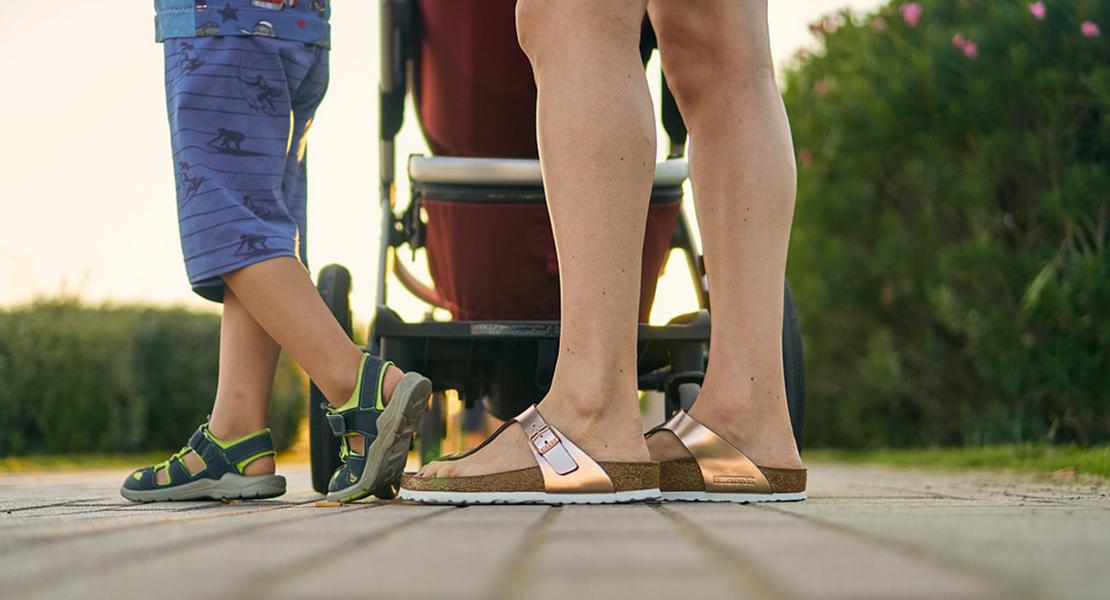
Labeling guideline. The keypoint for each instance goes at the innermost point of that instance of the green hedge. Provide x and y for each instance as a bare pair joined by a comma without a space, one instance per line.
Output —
80,380
950,251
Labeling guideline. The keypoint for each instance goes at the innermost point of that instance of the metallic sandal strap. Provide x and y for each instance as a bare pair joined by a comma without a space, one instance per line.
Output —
723,467
566,468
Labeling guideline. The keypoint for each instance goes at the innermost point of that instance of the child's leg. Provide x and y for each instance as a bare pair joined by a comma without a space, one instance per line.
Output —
279,295
248,358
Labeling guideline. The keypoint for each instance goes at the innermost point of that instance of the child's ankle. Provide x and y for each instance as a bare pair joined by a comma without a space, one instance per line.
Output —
392,378
229,432
260,466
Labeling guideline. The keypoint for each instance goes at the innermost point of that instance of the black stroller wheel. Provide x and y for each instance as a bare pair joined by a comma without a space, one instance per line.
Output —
432,430
793,367
388,492
334,285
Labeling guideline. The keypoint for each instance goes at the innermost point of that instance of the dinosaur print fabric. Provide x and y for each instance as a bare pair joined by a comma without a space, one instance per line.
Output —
240,109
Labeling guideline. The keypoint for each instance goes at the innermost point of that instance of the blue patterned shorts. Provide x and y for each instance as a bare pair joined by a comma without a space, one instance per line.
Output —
240,108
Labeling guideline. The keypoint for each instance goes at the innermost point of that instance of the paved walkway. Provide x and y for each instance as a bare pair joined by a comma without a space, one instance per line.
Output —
865,533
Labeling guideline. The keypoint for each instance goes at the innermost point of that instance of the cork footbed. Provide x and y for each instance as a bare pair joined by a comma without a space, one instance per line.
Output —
625,476
685,476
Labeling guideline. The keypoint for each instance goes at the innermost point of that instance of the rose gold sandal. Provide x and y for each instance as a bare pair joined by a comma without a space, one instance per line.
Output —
719,472
564,475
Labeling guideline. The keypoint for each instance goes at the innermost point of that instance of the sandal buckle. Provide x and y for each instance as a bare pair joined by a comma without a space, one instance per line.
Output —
338,424
545,439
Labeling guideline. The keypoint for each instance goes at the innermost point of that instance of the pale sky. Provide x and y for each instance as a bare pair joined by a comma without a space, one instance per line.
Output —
86,176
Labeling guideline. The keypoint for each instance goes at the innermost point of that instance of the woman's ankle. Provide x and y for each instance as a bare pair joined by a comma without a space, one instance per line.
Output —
760,428
585,403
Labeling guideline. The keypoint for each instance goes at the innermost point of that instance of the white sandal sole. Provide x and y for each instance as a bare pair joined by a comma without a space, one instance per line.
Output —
728,497
467,498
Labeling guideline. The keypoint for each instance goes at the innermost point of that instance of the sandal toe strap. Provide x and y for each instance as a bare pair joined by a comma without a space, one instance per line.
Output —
177,473
565,467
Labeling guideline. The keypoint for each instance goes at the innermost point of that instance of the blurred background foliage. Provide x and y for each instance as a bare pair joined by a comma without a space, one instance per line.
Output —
949,254
104,380
950,246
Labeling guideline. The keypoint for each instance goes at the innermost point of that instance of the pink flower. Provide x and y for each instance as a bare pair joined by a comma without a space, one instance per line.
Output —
878,24
1037,10
815,29
911,12
1089,29
805,156
968,47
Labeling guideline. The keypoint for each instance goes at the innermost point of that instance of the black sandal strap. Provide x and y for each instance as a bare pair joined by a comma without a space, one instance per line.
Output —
259,445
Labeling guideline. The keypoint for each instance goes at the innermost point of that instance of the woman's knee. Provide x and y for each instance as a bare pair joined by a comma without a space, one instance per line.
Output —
706,43
545,27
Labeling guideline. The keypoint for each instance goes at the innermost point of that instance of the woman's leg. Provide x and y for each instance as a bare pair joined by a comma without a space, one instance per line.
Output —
717,59
597,150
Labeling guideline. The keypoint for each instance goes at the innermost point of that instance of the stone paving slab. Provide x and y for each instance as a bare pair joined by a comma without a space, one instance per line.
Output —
866,532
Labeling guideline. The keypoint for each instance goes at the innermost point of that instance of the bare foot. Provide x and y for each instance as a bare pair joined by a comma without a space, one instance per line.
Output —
766,439
610,432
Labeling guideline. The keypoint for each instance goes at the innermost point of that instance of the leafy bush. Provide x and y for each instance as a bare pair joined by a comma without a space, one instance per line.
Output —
80,380
950,252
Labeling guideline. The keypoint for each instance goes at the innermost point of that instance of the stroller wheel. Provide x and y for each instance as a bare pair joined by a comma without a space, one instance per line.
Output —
334,285
793,367
388,492
432,430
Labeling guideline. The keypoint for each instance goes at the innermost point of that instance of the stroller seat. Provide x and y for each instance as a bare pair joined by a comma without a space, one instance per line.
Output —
491,251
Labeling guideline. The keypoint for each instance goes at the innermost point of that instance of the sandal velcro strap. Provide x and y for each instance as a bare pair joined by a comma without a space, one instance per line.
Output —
354,422
176,472
257,445
201,444
220,460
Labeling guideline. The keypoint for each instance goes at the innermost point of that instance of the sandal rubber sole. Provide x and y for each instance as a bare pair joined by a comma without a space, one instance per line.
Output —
388,453
469,498
731,497
228,487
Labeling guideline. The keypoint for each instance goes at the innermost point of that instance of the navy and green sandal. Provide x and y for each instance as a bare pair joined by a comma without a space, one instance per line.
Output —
221,478
386,430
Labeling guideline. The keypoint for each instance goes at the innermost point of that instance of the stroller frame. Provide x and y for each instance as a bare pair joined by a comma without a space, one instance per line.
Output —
472,357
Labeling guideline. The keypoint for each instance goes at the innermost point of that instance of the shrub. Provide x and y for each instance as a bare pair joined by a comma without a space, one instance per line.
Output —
950,252
75,379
